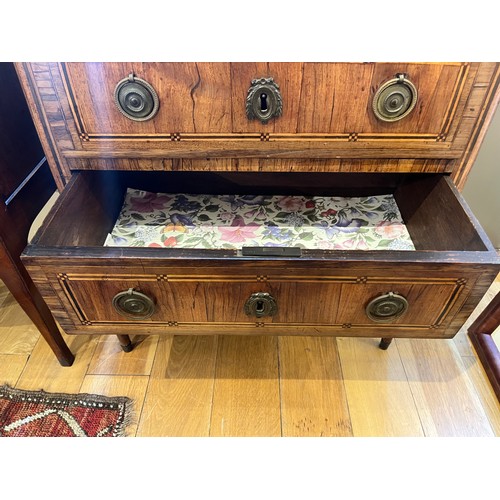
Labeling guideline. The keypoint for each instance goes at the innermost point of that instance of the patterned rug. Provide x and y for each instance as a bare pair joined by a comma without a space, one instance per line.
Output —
44,414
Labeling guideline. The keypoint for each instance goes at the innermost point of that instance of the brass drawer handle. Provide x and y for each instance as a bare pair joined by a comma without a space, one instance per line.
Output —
136,98
133,305
395,99
387,307
261,304
264,100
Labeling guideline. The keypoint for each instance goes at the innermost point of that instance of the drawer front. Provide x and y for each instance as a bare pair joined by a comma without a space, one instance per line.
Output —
198,290
210,98
327,116
326,303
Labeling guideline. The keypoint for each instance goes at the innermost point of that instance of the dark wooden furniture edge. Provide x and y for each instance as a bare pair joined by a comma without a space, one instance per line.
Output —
25,186
480,335
29,298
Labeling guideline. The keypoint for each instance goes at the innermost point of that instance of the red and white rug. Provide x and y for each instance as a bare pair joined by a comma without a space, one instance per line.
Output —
43,414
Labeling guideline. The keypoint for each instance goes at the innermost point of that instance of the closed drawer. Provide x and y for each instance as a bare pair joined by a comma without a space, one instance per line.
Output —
327,115
210,98
327,302
319,292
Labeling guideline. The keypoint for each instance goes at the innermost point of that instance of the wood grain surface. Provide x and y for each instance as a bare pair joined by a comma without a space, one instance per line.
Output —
434,368
180,392
43,369
313,397
326,113
380,400
246,395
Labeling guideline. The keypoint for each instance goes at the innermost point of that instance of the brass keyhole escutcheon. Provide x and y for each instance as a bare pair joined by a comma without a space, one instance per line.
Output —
387,307
261,304
395,99
264,100
133,304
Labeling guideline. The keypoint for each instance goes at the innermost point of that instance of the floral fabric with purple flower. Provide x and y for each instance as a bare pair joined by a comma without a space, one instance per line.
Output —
233,221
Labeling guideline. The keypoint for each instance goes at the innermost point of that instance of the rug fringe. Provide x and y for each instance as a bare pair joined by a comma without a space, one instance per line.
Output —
126,405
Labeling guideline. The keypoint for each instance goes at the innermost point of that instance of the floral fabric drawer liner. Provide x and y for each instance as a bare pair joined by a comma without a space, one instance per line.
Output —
233,221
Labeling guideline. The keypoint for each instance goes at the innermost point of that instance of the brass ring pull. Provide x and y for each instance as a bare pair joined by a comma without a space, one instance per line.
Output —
395,99
133,305
387,307
136,99
261,304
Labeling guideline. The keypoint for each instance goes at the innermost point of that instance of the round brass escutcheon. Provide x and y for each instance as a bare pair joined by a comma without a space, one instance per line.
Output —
136,99
261,304
387,307
133,304
395,99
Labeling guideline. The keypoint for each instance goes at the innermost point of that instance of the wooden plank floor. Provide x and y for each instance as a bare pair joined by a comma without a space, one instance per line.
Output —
266,386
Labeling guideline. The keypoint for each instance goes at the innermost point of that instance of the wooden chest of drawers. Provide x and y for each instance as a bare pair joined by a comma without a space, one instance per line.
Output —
290,129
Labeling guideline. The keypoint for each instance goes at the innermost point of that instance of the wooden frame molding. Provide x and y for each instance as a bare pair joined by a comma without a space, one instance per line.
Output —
480,334
65,279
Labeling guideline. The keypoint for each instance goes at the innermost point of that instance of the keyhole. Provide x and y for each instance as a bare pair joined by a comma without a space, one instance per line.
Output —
263,102
259,307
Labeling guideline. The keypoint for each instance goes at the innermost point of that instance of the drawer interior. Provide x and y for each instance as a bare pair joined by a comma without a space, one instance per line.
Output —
435,214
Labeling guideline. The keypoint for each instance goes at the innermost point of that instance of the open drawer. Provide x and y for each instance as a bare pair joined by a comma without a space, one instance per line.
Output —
426,292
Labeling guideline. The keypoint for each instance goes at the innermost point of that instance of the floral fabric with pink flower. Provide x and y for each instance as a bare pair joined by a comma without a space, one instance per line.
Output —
234,221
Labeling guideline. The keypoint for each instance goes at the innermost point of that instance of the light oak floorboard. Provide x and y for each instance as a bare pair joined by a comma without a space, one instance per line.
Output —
246,398
444,394
11,367
313,397
484,391
18,335
4,293
110,359
379,396
133,387
180,391
43,371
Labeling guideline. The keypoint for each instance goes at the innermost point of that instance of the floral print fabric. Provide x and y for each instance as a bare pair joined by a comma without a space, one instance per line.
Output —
234,221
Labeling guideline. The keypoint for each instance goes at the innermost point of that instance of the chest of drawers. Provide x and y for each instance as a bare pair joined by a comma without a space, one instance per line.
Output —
297,130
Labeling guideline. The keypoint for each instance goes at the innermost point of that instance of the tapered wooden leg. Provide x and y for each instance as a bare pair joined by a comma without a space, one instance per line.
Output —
28,297
385,343
125,342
